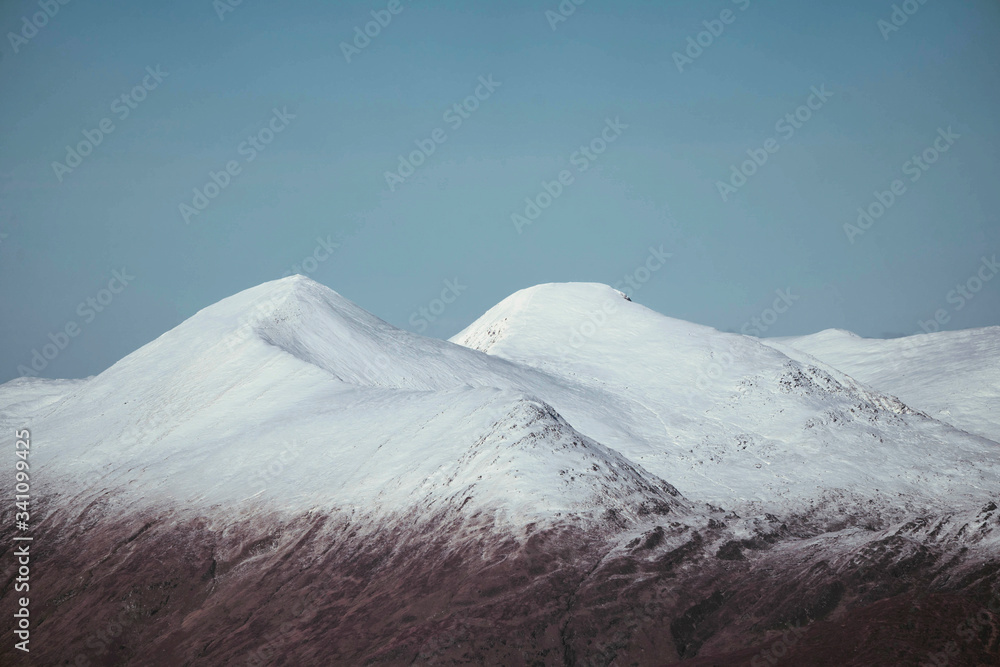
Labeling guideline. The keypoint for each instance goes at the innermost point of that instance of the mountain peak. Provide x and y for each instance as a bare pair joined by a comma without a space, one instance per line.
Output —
574,290
566,316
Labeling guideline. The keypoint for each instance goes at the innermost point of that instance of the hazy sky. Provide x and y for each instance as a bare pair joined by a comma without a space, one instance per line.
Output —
605,79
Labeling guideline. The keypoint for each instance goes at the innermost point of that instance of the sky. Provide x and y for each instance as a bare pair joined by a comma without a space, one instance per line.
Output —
158,157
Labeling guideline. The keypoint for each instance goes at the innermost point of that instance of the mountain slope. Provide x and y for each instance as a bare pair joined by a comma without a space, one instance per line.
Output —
734,421
950,375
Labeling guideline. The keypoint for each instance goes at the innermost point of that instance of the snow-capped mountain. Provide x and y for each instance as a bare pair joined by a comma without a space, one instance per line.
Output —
950,375
573,479
731,420
360,415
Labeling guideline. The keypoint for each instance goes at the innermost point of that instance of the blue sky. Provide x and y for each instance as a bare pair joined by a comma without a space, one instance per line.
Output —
322,178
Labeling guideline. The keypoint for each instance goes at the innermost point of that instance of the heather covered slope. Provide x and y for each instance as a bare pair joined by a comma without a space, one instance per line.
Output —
328,588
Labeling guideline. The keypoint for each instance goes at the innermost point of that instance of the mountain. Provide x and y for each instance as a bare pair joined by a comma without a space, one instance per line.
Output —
358,414
732,420
950,375
573,479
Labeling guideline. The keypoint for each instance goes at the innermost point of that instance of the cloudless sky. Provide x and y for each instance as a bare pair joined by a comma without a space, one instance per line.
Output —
323,176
